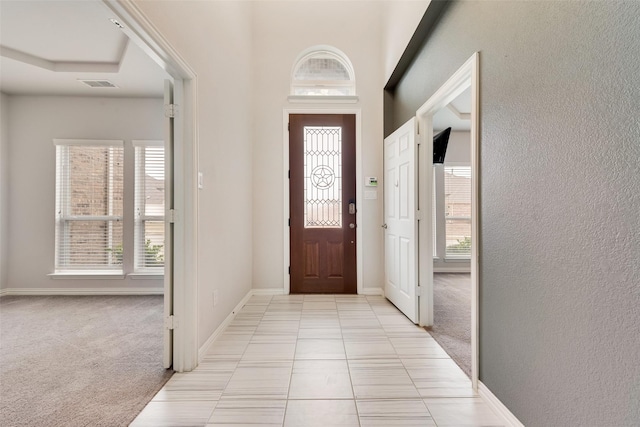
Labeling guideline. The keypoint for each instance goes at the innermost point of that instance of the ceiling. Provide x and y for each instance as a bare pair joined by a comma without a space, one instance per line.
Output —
456,115
46,47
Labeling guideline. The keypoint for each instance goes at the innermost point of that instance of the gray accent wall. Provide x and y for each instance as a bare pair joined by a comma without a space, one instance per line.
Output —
560,199
4,189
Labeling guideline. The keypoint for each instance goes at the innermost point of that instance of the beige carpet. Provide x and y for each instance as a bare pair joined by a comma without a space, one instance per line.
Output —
452,316
79,361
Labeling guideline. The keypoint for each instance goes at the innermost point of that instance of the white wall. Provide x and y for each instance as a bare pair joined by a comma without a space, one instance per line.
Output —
458,149
4,188
34,123
400,19
214,37
282,30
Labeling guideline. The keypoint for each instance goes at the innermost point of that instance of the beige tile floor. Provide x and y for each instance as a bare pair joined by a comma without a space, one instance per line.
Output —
320,360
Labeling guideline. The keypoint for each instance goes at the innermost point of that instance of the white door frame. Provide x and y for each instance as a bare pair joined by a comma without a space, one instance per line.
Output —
185,266
466,76
286,279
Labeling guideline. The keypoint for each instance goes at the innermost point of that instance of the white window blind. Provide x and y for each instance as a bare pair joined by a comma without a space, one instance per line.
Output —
89,203
457,202
149,206
434,220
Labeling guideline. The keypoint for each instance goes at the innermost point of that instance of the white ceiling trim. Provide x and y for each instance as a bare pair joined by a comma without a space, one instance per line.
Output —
461,116
66,66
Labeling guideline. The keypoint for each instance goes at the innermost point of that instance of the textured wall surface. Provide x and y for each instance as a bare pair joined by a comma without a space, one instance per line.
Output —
4,189
214,37
560,200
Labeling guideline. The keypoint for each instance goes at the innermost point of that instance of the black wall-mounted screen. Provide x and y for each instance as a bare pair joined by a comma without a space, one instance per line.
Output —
440,142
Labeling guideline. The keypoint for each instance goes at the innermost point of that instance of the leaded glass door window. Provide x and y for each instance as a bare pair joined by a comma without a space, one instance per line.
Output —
323,176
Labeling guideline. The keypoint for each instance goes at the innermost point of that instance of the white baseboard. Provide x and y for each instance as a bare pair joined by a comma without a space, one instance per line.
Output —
268,291
372,291
220,329
497,406
82,291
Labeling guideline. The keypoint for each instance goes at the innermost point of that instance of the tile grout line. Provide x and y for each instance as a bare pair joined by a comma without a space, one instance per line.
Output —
346,357
407,372
295,348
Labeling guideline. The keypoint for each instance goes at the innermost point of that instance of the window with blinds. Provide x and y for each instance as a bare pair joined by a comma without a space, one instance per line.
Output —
149,206
323,72
457,205
89,205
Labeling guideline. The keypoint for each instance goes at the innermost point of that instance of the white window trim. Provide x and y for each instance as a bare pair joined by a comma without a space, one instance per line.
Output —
98,271
94,142
330,52
87,275
322,99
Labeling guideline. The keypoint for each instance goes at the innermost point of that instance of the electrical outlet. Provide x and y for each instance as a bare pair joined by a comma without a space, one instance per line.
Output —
216,297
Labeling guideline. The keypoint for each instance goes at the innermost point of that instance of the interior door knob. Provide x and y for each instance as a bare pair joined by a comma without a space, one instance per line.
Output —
352,225
384,226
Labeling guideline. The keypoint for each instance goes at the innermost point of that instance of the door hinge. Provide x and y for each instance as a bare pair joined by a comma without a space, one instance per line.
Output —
418,291
289,222
170,110
418,129
173,216
289,270
170,322
419,215
289,173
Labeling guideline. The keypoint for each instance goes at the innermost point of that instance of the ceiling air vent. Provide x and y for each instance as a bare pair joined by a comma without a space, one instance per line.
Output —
98,83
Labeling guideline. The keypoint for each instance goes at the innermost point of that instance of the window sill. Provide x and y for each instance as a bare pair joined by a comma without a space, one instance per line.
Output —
146,276
318,99
461,259
84,275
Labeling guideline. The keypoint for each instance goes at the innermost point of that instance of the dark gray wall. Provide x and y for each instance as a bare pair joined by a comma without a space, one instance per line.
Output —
560,200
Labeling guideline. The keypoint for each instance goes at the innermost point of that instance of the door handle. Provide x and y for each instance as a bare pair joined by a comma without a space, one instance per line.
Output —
384,226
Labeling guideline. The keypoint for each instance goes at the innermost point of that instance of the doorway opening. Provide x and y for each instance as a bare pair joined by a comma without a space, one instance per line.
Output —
451,207
180,289
462,86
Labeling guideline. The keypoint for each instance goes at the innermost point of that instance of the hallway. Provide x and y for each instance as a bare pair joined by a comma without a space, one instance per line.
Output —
320,360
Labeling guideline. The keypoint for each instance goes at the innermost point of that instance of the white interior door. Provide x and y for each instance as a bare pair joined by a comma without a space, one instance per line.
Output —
168,228
400,197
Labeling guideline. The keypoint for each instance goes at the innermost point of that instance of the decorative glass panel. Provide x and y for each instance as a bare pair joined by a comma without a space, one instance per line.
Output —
323,73
322,69
323,177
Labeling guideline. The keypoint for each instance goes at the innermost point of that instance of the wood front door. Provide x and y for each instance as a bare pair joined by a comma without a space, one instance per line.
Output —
322,192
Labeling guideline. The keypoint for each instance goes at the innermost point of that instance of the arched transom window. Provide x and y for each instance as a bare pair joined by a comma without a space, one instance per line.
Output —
323,71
